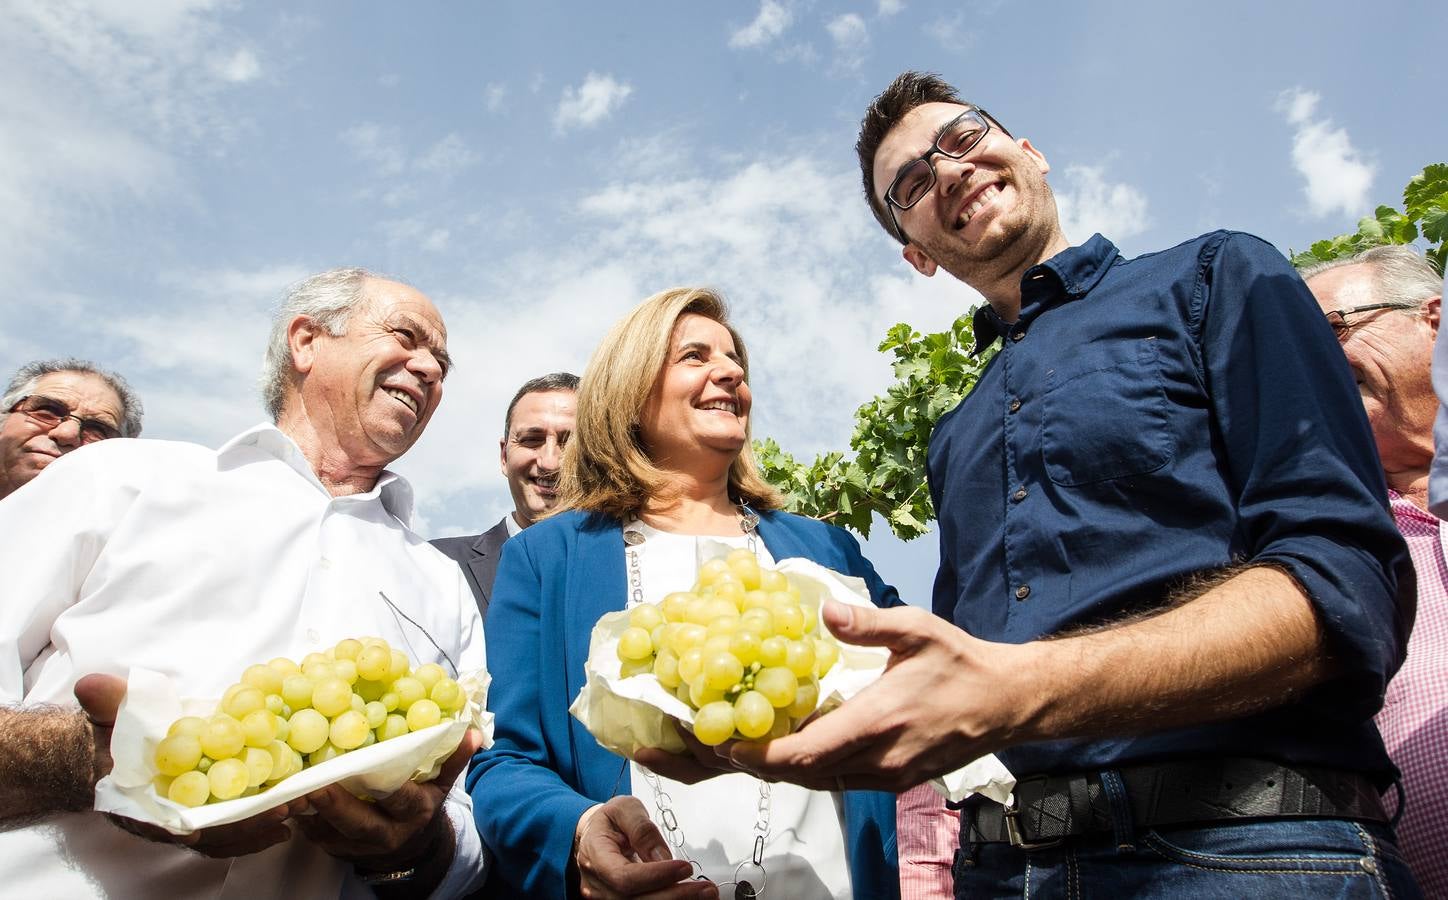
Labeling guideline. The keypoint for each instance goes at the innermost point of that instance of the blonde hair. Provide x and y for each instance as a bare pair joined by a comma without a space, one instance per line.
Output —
605,468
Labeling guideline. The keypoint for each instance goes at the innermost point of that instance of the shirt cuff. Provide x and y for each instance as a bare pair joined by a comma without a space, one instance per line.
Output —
470,861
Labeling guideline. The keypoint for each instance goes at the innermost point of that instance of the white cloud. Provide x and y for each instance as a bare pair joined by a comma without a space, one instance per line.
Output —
1089,203
773,18
238,67
889,7
591,102
378,145
951,32
494,95
1339,179
448,156
852,40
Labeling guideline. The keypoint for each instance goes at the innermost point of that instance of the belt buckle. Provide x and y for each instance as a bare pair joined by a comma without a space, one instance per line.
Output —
1013,829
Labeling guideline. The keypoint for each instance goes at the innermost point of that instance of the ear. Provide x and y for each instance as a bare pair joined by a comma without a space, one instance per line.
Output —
302,334
503,455
1432,311
1035,154
919,259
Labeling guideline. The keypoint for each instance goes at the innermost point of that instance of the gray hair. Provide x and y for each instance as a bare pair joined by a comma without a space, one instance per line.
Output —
23,385
1401,275
328,298
543,384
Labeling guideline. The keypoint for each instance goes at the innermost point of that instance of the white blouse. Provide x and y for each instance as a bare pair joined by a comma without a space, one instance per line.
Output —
804,852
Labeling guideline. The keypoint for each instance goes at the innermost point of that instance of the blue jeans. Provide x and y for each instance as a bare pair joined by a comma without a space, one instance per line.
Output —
1228,859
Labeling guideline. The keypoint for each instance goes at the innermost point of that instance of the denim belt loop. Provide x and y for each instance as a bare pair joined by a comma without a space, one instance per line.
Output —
1122,826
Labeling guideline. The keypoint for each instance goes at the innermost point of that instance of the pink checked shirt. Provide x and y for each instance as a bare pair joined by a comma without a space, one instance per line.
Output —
1414,720
927,835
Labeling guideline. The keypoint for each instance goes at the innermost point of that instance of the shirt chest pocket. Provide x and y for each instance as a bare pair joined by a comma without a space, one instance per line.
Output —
1104,415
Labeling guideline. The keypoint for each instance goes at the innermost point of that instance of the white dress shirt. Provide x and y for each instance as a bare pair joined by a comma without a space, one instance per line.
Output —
804,854
197,563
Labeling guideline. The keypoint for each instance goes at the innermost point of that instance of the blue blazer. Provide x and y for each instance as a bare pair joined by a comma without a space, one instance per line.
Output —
544,769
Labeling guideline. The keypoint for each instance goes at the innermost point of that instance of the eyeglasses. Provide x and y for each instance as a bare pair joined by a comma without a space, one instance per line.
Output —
956,139
50,413
1337,318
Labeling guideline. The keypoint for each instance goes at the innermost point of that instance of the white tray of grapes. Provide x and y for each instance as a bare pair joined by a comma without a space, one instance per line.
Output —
358,715
741,655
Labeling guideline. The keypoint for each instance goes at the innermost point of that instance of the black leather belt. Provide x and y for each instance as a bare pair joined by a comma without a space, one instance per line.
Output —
1047,809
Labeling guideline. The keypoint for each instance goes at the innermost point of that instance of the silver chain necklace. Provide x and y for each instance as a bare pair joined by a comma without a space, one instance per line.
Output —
749,876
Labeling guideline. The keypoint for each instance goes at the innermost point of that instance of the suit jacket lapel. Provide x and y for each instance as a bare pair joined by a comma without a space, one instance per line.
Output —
597,584
484,563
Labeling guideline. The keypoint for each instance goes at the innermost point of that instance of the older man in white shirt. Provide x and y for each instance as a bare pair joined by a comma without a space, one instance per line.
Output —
195,563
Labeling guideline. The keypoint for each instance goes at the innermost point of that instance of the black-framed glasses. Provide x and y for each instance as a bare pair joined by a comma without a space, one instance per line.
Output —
50,412
959,136
1337,318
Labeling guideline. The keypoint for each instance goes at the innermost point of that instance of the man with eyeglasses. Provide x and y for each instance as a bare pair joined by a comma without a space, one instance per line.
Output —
196,563
53,406
1170,594
1385,305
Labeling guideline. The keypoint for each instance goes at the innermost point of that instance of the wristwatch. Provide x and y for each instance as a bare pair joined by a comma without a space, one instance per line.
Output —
374,879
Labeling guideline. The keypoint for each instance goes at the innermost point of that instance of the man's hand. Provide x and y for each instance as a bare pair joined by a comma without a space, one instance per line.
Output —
697,763
945,698
620,853
405,829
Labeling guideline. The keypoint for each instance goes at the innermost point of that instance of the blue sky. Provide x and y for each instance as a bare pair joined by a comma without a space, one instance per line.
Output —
167,168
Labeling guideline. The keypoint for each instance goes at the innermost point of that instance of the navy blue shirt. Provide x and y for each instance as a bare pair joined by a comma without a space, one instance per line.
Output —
1151,419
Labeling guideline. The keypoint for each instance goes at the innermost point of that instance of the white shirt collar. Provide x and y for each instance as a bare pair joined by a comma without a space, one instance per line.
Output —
392,489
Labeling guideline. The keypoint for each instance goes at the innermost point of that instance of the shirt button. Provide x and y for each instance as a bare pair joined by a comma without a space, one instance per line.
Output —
1015,404
1019,495
1017,335
1023,592
312,636
325,563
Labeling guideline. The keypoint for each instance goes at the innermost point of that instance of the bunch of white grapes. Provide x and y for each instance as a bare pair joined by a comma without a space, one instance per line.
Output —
741,648
283,717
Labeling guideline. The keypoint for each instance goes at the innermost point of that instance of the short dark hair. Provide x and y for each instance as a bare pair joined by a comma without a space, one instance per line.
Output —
554,381
908,90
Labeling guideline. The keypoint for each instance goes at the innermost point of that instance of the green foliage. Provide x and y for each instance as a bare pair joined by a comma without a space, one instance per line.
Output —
1424,214
886,475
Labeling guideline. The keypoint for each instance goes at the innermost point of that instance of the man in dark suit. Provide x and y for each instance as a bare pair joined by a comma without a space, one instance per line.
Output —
536,428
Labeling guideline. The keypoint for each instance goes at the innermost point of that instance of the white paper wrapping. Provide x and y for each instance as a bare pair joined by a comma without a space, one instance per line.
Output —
629,714
152,703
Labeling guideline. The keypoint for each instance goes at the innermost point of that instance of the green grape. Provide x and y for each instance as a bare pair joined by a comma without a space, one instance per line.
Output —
191,725
755,600
276,705
632,667
348,730
347,648
369,690
284,667
423,714
263,678
282,757
747,571
714,723
691,664
799,658
178,754
297,691
190,789
228,778
719,643
314,658
723,670
827,653
731,592
676,606
307,730
722,609
710,571
376,714
161,784
811,616
724,626
662,635
646,616
753,714
770,580
358,703
773,650
783,599
346,669
429,674
395,726
758,622
635,644
682,692
241,702
370,739
320,670
258,765
203,765
284,724
222,737
777,684
745,646
390,700
327,751
783,725
373,662
409,691
331,697
789,621
806,698
666,668
401,665
259,728
700,694
686,637
698,611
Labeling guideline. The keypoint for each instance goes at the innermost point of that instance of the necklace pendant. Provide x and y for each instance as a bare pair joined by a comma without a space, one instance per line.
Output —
633,538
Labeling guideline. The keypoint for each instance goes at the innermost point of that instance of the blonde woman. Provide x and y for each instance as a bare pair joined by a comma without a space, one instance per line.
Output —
659,460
